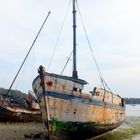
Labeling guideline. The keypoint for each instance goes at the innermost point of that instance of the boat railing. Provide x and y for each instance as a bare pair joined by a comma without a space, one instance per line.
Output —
105,96
59,85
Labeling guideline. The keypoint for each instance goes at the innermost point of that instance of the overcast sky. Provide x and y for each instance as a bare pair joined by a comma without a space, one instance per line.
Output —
113,28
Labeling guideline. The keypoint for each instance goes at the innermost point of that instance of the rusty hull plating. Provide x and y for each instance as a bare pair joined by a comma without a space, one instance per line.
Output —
73,113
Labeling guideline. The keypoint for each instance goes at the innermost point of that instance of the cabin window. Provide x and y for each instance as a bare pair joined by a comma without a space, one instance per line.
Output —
77,89
80,90
74,89
96,94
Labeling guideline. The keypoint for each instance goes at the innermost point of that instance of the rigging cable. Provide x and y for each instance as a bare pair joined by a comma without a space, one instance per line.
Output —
97,66
57,40
27,55
66,62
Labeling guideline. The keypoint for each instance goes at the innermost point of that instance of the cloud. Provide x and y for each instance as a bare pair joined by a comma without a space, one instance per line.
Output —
113,28
125,80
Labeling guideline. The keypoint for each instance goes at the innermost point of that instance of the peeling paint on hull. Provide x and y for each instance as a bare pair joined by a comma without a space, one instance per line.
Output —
76,115
20,115
7,115
79,110
81,120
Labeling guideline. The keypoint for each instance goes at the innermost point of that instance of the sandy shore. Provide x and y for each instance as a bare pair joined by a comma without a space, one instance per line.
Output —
16,131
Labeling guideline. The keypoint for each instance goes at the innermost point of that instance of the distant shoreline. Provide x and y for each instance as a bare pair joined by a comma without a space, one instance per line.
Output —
20,97
132,104
132,101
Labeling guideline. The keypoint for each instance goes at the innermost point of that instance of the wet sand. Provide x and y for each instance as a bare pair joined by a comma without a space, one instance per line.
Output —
129,130
17,131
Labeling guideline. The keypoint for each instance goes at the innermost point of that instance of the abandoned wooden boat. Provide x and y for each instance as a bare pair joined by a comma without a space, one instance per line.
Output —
69,112
15,112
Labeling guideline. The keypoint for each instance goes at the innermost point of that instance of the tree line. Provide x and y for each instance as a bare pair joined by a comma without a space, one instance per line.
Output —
20,97
14,96
132,100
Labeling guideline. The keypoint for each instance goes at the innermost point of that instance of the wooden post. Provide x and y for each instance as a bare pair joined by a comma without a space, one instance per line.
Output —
41,71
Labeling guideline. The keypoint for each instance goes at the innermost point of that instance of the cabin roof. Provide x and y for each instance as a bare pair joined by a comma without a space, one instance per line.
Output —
80,81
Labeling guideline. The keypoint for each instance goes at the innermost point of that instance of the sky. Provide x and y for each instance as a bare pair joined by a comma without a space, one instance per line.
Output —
113,29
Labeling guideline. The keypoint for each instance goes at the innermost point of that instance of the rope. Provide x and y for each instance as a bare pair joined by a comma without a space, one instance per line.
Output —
66,63
26,56
57,40
93,56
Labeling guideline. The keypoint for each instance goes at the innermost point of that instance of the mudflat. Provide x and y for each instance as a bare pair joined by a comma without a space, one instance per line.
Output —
17,131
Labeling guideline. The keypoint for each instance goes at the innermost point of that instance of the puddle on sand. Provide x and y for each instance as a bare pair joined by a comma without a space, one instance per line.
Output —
136,137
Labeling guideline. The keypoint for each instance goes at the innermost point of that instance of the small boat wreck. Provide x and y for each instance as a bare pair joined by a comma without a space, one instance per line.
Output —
11,111
69,112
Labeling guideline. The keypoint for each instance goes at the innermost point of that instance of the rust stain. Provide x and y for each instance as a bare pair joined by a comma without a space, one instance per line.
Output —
90,113
69,110
55,83
63,88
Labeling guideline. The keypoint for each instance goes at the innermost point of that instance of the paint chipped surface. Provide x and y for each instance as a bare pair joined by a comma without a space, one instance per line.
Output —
73,111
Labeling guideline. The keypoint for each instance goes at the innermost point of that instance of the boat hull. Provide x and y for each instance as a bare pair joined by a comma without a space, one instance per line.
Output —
78,117
8,116
78,130
13,113
72,114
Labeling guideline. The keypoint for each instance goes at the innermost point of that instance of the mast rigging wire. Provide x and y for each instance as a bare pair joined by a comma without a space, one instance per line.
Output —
97,66
27,55
59,34
66,62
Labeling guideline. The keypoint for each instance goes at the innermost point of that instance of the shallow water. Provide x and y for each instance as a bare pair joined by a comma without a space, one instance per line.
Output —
130,129
136,137
132,110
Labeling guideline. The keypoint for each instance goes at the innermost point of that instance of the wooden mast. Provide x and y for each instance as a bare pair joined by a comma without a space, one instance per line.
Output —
74,74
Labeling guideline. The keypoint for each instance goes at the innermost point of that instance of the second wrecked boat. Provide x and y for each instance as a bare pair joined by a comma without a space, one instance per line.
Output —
12,111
